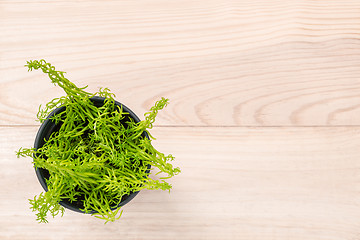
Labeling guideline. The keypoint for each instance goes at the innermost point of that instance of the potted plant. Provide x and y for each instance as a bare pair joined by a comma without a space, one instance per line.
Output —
92,154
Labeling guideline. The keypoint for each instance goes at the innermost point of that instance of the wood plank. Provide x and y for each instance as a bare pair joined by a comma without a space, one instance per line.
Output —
234,63
236,183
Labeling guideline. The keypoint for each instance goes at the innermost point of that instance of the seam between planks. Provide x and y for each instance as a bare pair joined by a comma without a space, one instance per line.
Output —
216,126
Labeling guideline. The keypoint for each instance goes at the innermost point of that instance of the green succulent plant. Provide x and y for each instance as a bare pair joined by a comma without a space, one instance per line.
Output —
98,155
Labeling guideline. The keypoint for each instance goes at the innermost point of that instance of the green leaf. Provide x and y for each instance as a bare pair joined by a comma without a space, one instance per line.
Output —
98,155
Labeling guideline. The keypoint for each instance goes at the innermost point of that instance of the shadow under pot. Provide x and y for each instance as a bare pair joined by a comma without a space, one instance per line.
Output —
43,134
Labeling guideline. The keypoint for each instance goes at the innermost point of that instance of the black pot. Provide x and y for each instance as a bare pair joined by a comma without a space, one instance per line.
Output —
43,134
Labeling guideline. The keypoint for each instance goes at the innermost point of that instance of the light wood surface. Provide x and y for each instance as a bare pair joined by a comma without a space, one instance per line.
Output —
264,118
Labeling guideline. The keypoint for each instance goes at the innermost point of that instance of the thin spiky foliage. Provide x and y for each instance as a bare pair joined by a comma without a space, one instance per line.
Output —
97,156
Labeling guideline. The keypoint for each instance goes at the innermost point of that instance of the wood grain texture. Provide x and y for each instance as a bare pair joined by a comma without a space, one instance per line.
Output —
264,118
236,183
238,63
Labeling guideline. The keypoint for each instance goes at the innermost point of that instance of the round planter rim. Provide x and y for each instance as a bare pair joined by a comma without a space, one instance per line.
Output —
48,126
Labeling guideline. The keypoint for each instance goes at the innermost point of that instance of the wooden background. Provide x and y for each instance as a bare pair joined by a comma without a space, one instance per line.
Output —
264,118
